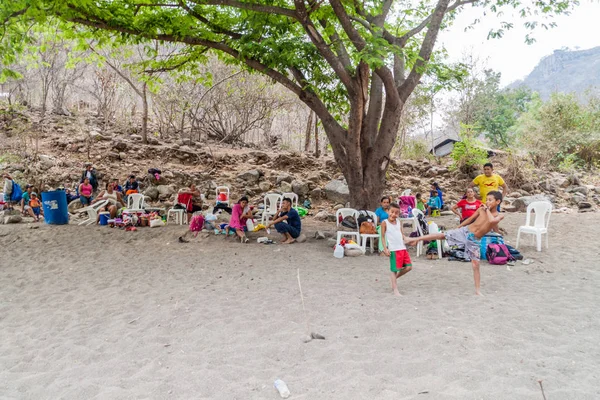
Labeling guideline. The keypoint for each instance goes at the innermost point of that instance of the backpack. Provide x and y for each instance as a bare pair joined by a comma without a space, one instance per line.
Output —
514,252
363,216
367,228
17,193
349,222
498,254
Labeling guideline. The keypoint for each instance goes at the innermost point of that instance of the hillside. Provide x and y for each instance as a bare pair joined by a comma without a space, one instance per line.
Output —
65,146
568,71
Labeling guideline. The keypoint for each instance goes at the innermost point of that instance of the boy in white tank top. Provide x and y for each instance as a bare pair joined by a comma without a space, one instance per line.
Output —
393,246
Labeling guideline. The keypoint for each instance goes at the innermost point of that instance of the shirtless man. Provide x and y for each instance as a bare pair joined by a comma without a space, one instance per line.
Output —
470,232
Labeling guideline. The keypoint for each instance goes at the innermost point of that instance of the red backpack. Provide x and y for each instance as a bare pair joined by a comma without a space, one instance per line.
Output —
498,254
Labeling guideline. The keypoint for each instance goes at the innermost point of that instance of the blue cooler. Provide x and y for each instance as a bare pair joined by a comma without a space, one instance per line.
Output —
491,237
104,217
55,207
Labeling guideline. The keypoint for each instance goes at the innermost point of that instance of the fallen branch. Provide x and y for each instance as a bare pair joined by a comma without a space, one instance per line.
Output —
542,388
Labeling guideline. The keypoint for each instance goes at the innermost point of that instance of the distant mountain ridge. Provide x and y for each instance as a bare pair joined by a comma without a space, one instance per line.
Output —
567,71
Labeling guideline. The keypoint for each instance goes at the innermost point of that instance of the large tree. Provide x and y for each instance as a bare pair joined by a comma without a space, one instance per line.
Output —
353,62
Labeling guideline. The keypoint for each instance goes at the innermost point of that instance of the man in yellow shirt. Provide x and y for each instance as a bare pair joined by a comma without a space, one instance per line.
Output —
489,181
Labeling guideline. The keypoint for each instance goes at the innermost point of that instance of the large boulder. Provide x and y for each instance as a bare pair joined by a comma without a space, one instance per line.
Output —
285,187
284,178
264,186
250,177
46,162
300,188
120,146
164,191
521,203
337,191
579,189
152,192
10,217
322,216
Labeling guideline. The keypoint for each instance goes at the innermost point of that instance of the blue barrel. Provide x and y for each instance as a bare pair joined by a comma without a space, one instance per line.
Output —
55,207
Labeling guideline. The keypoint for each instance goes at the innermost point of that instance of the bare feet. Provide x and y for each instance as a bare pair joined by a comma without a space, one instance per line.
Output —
397,293
289,241
478,293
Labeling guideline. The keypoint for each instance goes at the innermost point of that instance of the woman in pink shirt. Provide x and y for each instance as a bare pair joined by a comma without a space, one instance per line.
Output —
85,192
239,215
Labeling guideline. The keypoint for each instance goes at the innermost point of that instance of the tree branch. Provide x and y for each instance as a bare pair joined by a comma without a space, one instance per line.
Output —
340,12
211,25
249,6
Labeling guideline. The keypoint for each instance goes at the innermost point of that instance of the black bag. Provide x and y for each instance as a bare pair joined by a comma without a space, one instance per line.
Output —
349,222
363,216
514,252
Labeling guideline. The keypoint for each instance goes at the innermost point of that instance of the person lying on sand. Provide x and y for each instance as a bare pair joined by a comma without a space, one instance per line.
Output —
393,246
287,222
470,232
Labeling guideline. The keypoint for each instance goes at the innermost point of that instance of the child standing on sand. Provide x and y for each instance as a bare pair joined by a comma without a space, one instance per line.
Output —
470,232
393,246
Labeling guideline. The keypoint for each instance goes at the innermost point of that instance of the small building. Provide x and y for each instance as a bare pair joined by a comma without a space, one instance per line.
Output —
444,147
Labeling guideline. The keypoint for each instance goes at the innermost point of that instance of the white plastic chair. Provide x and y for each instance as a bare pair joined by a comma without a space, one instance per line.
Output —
540,223
407,192
135,203
92,212
416,212
368,236
293,197
438,242
179,214
272,203
346,212
222,189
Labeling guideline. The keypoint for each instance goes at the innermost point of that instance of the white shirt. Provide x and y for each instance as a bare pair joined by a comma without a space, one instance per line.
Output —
393,235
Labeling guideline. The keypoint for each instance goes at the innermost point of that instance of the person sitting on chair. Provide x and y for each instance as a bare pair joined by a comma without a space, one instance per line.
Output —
196,200
433,203
287,222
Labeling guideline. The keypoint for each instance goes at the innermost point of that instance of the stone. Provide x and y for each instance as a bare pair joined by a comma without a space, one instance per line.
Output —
515,195
152,192
300,188
12,219
120,146
578,198
337,191
322,216
574,180
584,205
521,203
548,186
316,194
528,187
301,238
285,187
319,235
122,155
46,162
250,177
98,137
561,182
284,178
580,189
509,208
113,155
74,206
338,206
136,137
164,190
264,186
260,157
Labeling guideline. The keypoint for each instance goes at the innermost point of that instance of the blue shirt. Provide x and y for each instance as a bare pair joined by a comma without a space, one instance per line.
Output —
293,218
434,202
382,215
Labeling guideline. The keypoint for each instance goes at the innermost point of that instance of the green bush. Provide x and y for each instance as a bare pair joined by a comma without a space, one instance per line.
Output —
468,155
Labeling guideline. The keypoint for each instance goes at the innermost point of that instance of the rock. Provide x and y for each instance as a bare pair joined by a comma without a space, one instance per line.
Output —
574,180
580,189
120,146
548,186
584,205
163,190
136,137
338,206
264,186
561,182
46,162
122,155
322,216
152,192
284,178
596,198
98,137
260,157
316,194
521,203
515,195
113,155
285,187
12,219
528,187
153,140
319,235
74,206
337,191
509,208
578,198
250,177
301,238
300,188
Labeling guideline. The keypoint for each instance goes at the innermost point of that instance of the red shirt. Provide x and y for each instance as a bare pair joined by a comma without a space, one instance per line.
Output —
468,209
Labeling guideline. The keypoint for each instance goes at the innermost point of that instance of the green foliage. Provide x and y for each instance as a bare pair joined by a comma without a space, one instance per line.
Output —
468,155
562,132
415,149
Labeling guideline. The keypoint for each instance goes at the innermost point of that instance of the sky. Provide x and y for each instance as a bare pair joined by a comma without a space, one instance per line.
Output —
510,55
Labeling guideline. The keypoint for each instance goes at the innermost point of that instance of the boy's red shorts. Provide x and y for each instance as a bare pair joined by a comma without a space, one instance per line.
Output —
399,259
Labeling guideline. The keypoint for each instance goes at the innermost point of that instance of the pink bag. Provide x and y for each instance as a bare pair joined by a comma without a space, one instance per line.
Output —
197,223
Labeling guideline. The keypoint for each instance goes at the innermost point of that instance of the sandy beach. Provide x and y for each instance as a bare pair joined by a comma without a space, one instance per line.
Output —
99,313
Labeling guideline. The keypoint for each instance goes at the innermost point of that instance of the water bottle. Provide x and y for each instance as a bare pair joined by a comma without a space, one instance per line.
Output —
282,388
433,228
410,214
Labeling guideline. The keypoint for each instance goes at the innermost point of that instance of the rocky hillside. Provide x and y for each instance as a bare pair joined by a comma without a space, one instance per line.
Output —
576,71
66,146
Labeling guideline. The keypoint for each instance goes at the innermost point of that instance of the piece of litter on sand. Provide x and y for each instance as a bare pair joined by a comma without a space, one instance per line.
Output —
424,392
277,250
316,336
526,262
133,320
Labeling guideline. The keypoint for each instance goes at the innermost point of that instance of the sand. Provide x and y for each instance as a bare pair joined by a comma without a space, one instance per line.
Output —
98,313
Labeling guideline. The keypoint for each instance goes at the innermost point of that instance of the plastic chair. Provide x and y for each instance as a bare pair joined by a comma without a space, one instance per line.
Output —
293,197
224,190
92,212
180,214
540,223
438,242
407,192
135,203
416,212
368,236
346,212
435,213
272,203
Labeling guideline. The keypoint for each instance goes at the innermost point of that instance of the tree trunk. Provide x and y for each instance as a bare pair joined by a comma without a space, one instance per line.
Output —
145,113
317,150
308,130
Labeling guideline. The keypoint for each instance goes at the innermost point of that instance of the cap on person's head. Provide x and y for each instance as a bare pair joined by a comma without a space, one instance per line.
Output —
33,194
28,186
